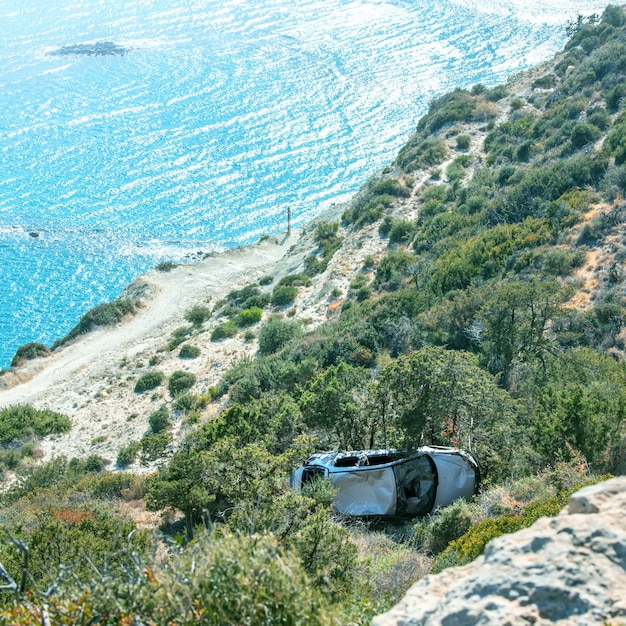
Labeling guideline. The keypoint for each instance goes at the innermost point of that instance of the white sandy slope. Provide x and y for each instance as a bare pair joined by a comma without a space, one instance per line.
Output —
91,380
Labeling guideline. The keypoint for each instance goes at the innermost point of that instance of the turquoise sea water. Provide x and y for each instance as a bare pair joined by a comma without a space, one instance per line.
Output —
222,114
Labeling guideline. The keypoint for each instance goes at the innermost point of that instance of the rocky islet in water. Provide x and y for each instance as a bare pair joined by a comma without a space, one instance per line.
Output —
99,48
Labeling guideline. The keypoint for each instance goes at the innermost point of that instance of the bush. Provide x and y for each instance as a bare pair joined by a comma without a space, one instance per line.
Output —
266,280
402,231
448,525
582,134
197,315
153,446
545,82
472,544
275,333
223,331
22,421
391,187
113,485
180,382
149,380
614,15
127,455
28,352
419,152
189,352
294,280
238,579
260,301
248,317
160,419
463,142
283,295
106,314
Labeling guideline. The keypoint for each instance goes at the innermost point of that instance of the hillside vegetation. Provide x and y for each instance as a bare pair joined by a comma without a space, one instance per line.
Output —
490,317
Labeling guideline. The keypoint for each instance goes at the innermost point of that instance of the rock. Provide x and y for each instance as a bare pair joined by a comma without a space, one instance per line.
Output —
99,48
567,570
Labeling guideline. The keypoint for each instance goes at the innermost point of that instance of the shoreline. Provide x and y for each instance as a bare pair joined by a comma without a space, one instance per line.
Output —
81,373
91,378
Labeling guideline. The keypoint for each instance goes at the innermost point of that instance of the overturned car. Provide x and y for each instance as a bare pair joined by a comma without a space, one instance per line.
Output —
390,483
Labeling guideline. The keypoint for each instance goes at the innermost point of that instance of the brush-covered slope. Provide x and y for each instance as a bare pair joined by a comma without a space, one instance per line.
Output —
470,294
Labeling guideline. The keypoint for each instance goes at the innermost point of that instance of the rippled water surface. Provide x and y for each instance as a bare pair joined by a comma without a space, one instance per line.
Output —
222,114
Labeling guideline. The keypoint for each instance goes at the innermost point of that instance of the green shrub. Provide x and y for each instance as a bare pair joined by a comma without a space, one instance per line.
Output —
223,331
238,296
179,382
197,315
275,333
325,231
614,15
127,455
472,544
448,525
582,134
260,301
283,295
188,402
28,352
149,380
106,314
496,93
74,538
266,280
402,231
248,317
113,485
178,336
189,352
458,106
385,225
391,187
22,421
160,419
294,280
238,579
545,82
463,142
419,152
153,446
92,463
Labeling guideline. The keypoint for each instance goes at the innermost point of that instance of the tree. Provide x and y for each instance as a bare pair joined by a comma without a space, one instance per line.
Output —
181,485
515,320
442,397
330,401
578,403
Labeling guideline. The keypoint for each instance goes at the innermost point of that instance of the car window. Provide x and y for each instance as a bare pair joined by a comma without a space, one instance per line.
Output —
416,486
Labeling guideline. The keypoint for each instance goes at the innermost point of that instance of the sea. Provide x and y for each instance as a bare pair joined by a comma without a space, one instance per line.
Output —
221,115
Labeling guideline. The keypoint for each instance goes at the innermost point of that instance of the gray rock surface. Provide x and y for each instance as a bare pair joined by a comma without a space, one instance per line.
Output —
566,570
98,49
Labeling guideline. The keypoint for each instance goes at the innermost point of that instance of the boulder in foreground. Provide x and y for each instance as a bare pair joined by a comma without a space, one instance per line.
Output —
567,570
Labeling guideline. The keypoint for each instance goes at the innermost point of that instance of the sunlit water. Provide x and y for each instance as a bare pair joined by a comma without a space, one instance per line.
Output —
222,115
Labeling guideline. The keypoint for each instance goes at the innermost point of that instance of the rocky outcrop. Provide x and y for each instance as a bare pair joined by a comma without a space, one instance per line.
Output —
99,48
567,570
